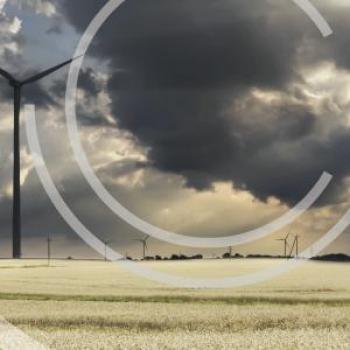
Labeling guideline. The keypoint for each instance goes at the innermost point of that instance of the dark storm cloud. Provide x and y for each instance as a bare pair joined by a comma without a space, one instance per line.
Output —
337,46
44,97
87,110
180,68
36,94
91,117
88,82
193,44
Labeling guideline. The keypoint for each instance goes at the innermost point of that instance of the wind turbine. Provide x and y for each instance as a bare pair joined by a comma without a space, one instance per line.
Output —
17,86
144,245
106,243
49,240
285,241
296,245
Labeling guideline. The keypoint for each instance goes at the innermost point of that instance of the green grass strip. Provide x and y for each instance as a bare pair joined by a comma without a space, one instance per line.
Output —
234,300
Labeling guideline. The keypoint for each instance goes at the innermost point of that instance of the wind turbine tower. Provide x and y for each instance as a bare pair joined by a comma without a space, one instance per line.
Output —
106,243
49,240
144,245
17,86
285,244
296,246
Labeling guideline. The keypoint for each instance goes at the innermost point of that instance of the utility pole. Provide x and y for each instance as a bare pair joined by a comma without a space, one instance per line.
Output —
48,249
106,245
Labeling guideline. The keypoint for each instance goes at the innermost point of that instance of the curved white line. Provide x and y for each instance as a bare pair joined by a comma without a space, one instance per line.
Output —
144,271
115,206
12,338
315,17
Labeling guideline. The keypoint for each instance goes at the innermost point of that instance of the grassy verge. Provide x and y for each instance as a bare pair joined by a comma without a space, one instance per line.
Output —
180,299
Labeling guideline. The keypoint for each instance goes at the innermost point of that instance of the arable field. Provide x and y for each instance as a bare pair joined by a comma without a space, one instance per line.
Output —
98,305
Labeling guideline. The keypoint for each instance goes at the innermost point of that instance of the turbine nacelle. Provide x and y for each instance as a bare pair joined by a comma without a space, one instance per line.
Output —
15,83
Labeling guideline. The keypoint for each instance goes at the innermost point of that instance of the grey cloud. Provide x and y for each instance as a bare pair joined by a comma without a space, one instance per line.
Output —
178,67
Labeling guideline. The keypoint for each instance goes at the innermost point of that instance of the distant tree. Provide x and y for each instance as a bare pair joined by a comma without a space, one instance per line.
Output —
197,256
333,257
158,257
259,256
236,256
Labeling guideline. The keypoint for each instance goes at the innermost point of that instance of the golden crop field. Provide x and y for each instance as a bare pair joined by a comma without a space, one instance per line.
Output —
97,305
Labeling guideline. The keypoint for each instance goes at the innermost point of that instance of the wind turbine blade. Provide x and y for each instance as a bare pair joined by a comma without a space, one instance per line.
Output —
48,72
7,75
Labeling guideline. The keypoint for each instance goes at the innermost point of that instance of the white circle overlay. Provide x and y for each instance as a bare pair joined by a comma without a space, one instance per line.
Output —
116,207
142,270
12,338
112,255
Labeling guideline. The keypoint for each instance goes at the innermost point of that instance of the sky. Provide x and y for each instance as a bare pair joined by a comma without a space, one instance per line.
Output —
207,118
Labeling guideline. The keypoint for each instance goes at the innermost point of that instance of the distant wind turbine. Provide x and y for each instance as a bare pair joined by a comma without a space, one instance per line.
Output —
17,89
285,243
296,246
107,244
144,245
49,240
